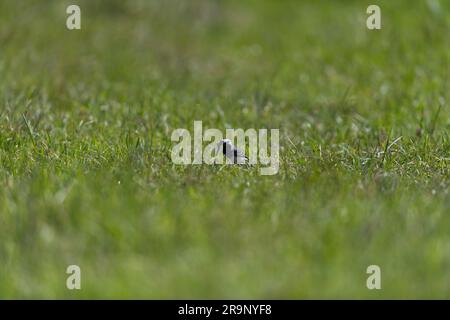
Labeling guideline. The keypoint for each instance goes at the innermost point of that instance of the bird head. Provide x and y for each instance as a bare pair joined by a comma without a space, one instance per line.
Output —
221,143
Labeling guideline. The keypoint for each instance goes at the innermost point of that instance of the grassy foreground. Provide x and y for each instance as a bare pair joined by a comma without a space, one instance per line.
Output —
85,170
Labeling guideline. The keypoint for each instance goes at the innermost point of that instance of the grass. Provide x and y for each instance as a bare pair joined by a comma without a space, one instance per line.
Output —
85,170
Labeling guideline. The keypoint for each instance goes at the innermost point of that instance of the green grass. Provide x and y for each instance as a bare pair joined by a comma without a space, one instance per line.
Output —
85,170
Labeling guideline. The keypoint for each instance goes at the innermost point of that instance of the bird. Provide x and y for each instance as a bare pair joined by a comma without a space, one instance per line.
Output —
236,155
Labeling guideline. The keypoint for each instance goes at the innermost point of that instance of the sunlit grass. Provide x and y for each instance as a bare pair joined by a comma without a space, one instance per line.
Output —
85,170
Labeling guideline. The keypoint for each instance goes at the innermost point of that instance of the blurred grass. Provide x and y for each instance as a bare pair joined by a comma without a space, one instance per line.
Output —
85,170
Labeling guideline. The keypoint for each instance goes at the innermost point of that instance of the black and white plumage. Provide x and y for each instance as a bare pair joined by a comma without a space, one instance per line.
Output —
236,155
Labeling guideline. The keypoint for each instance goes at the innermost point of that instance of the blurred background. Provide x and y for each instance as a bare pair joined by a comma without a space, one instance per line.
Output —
85,171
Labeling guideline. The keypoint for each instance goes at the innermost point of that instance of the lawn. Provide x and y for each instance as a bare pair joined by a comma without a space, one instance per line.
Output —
86,176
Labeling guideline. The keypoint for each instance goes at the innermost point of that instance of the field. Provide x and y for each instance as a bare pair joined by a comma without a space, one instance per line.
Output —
86,176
